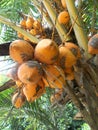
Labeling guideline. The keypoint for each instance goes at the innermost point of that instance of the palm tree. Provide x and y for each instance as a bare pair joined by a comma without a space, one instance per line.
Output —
77,30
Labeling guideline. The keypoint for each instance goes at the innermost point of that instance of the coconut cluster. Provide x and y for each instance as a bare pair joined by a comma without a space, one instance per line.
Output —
45,65
32,26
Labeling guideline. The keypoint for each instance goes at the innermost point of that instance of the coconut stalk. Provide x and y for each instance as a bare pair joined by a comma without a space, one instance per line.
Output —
83,110
53,15
6,21
44,13
80,34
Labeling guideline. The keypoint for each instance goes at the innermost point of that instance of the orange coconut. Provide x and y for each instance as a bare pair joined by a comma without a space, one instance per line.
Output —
55,76
23,23
69,72
34,32
93,44
63,17
21,51
19,84
66,58
45,81
74,49
30,72
34,91
37,25
70,76
20,35
18,99
46,51
29,23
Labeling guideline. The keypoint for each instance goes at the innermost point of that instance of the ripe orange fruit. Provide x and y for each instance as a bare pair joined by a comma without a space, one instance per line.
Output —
34,32
19,35
18,99
23,23
74,49
45,82
29,23
19,84
21,51
69,72
36,25
30,72
66,58
93,44
70,76
34,91
46,51
55,76
63,17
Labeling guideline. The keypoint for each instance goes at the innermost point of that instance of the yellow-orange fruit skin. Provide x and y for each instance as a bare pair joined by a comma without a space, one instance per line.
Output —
36,25
93,44
19,84
18,99
69,73
46,51
74,49
66,58
34,91
70,76
45,82
21,51
63,3
23,23
34,32
29,23
19,35
55,76
30,72
63,17
69,70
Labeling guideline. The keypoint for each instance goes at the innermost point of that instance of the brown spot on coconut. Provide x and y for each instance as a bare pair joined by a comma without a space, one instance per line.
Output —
34,91
21,51
30,72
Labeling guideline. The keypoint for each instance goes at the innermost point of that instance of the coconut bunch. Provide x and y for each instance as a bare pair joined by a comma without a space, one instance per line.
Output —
45,65
32,26
35,28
